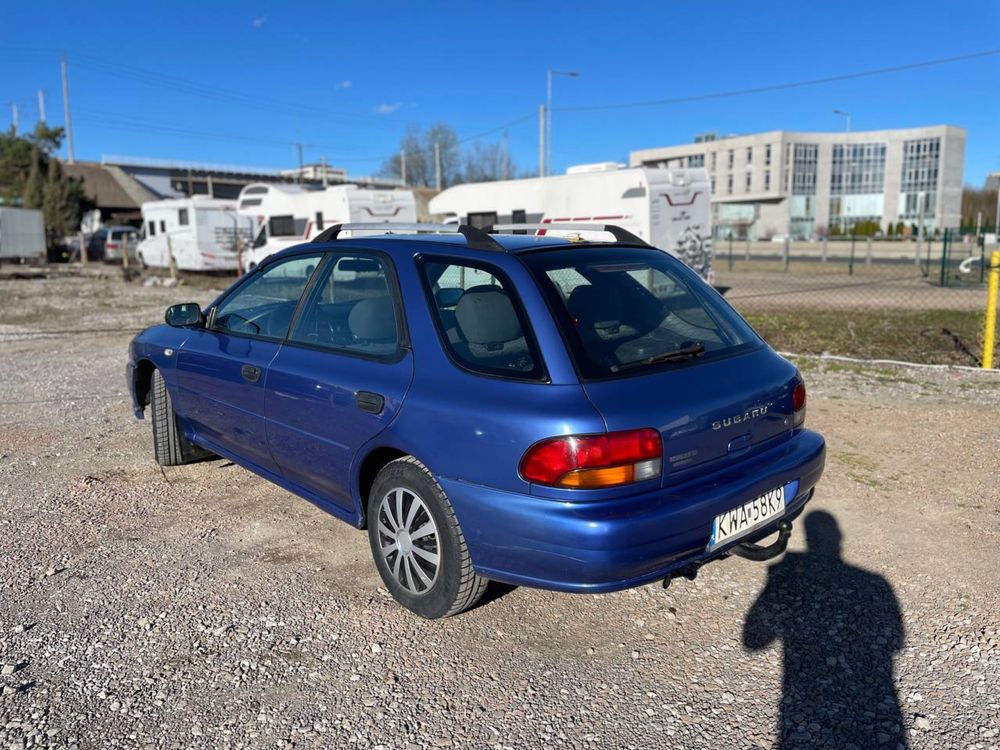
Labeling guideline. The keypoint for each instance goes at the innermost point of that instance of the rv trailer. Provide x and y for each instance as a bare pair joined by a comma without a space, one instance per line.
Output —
668,208
285,215
201,234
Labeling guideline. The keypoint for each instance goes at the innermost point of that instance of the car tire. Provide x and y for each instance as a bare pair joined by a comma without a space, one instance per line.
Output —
406,498
170,447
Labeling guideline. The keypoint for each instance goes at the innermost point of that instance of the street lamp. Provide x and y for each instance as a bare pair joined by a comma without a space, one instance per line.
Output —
847,166
548,113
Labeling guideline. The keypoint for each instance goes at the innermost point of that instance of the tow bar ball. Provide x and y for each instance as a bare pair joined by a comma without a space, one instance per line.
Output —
747,550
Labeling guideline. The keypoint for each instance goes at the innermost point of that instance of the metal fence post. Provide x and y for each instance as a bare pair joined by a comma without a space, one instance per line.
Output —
944,258
868,251
730,252
850,263
785,251
990,324
747,253
823,256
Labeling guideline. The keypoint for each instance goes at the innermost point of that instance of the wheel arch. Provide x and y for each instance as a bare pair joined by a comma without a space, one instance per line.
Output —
143,381
374,461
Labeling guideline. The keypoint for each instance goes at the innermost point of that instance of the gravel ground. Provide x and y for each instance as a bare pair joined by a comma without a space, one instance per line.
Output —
201,606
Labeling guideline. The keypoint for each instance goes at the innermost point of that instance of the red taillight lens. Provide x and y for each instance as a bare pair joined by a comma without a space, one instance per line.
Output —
581,461
111,245
799,405
799,397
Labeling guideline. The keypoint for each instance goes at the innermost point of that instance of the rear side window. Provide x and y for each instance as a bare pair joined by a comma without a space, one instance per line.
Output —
182,217
480,320
625,310
351,310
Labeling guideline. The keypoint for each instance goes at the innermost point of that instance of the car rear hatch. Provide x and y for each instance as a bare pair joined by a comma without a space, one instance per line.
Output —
708,414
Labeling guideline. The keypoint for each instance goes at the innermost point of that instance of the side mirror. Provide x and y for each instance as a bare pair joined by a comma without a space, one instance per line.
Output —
185,315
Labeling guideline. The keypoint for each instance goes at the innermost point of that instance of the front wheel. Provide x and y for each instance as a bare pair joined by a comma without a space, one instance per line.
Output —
170,447
418,546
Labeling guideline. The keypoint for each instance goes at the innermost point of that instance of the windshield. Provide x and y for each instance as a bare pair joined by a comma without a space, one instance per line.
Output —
625,309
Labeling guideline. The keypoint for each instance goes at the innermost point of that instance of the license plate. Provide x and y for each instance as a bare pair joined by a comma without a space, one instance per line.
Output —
748,517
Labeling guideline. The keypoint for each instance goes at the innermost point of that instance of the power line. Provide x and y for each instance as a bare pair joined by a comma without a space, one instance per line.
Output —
783,86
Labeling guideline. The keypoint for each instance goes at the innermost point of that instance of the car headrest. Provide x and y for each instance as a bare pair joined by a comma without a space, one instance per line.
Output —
485,315
599,307
372,319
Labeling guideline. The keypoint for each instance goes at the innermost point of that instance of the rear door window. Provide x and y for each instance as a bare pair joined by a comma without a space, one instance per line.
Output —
623,310
480,320
353,309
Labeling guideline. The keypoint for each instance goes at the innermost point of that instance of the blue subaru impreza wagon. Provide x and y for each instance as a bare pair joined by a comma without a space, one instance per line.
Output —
574,415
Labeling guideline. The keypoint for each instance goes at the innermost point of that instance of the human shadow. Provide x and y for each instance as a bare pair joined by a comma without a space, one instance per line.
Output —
840,627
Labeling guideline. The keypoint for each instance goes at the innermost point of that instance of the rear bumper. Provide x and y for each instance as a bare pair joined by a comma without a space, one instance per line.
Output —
617,544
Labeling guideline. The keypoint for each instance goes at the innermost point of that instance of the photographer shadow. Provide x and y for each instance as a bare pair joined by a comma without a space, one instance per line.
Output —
840,627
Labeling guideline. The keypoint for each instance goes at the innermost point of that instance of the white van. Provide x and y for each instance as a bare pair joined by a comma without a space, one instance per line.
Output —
668,208
201,233
285,215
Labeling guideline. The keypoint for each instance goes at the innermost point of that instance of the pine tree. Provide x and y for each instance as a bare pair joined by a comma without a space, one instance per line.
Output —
34,188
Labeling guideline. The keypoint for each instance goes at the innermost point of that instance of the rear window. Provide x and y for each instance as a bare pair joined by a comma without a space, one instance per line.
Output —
624,310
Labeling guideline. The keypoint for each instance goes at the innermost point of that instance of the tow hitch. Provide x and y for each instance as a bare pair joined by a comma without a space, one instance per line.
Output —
758,553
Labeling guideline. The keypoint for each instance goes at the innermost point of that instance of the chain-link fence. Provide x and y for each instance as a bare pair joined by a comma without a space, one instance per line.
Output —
919,301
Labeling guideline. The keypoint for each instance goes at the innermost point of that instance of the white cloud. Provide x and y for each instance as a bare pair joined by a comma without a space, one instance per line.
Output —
343,85
387,109
259,21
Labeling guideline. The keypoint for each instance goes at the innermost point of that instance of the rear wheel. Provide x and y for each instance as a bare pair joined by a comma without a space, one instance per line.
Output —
170,447
418,546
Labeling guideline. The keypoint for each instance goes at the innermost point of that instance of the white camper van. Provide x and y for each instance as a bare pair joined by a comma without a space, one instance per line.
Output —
201,233
668,208
286,215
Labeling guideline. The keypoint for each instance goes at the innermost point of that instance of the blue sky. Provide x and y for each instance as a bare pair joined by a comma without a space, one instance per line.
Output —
240,82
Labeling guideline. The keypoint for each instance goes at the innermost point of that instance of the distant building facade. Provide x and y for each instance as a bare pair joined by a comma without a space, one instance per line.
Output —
811,184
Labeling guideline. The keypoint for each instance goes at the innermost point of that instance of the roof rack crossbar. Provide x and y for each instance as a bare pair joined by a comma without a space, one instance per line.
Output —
621,235
475,238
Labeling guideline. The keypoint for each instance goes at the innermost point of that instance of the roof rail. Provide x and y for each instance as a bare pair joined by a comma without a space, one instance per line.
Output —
475,238
621,235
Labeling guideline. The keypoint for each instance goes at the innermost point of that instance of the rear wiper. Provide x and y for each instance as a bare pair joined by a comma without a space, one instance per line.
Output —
694,349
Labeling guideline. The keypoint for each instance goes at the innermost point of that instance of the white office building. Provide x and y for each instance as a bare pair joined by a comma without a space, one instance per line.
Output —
811,184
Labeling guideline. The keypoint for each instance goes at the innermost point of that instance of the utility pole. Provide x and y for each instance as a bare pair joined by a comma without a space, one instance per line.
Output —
548,111
299,147
541,140
505,163
437,165
13,116
996,224
41,106
69,124
402,165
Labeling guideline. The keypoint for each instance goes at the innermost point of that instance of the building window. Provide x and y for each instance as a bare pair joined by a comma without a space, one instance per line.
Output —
713,184
729,184
919,176
767,180
804,159
152,228
714,154
696,160
748,182
182,217
749,154
319,221
730,158
858,169
767,155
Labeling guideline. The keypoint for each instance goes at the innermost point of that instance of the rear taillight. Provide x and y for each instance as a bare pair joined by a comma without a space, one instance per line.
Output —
589,461
799,405
111,245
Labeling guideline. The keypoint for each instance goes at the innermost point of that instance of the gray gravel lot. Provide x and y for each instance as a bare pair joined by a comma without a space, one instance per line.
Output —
201,606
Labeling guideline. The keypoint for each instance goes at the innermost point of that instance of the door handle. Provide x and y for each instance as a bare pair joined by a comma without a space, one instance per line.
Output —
251,373
370,402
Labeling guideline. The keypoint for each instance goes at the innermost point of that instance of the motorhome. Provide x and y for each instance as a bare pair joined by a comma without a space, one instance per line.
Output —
668,208
285,215
201,233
